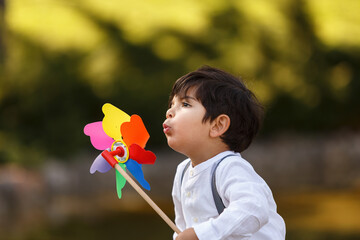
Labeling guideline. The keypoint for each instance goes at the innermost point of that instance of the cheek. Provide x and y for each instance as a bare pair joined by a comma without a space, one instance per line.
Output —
180,134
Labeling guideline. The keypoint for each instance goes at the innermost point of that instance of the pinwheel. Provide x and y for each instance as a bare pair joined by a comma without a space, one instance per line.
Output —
122,140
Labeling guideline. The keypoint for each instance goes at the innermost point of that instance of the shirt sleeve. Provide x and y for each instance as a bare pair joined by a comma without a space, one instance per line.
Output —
245,197
176,195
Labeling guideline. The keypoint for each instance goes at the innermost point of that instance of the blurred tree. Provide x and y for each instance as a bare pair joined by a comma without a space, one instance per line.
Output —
66,59
2,33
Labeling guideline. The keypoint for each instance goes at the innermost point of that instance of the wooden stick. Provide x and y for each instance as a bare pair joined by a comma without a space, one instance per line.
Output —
147,198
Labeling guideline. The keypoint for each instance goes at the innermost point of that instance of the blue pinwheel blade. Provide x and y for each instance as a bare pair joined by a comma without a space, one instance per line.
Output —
136,171
100,164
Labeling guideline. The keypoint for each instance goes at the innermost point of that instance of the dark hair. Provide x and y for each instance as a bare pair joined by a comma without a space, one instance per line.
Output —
222,93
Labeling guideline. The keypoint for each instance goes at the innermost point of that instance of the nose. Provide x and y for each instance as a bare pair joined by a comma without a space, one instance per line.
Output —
169,113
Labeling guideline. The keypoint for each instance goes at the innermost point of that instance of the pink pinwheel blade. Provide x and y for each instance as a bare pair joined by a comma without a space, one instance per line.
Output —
100,165
98,137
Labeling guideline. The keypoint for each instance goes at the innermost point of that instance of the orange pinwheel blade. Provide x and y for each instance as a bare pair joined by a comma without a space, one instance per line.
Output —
135,132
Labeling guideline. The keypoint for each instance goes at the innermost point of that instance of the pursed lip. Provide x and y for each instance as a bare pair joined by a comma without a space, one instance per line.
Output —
166,128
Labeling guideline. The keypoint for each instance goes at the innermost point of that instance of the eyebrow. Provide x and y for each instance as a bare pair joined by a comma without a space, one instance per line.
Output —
188,97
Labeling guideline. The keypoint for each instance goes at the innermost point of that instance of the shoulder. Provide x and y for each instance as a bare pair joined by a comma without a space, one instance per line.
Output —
180,168
234,159
236,174
182,165
177,177
236,165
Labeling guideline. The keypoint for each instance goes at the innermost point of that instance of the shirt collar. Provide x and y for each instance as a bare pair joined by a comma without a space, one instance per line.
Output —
206,164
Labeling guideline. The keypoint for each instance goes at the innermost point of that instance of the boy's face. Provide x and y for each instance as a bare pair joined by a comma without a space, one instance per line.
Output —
184,127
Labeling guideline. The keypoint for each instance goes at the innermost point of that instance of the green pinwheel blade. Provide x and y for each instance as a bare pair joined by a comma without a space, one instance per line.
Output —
120,180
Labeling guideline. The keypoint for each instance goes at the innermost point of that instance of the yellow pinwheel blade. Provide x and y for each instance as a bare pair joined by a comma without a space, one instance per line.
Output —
113,119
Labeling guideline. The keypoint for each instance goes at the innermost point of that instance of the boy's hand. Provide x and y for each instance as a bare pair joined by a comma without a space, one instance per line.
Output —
188,234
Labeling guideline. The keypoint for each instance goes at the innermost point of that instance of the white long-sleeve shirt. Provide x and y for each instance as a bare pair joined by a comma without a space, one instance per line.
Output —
250,211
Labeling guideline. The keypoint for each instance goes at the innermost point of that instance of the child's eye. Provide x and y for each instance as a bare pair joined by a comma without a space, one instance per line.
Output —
185,104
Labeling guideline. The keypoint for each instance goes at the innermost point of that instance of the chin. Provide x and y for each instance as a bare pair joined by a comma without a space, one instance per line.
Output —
172,144
177,148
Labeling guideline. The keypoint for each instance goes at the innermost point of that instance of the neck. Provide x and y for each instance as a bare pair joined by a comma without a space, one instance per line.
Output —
211,151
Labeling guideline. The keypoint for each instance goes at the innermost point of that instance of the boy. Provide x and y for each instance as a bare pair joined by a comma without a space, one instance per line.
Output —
212,117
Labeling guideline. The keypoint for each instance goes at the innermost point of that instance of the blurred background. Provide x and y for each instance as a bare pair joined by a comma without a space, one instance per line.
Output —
61,60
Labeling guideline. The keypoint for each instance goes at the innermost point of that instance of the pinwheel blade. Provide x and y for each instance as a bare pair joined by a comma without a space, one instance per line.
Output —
135,132
113,119
100,165
120,181
140,155
136,171
98,137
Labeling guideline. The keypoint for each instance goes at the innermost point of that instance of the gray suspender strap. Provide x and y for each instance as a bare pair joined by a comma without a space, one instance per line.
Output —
217,199
183,173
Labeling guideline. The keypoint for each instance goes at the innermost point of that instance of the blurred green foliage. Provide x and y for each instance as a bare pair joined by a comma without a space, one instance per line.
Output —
62,60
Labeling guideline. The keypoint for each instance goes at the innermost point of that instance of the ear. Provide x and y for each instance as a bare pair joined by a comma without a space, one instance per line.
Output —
220,125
